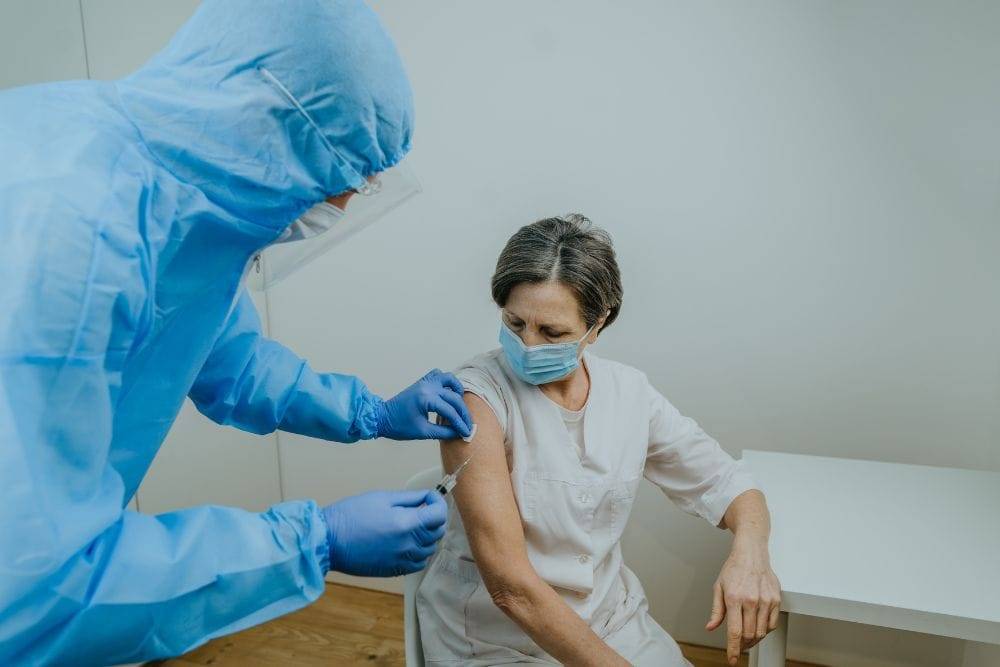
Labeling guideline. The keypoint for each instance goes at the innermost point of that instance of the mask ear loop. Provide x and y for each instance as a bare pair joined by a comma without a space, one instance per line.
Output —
587,335
342,163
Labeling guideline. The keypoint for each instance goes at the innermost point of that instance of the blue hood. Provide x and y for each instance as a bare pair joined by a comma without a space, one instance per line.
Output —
270,107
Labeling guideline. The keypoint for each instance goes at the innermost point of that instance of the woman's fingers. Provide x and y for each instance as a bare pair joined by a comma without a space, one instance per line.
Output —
750,612
763,614
734,630
749,601
718,608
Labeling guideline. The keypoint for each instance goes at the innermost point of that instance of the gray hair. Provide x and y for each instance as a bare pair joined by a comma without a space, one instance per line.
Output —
571,250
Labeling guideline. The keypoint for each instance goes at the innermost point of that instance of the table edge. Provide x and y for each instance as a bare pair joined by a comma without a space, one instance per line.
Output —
914,620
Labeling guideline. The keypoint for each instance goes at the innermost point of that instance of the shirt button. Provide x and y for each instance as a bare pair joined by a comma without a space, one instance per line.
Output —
584,558
585,498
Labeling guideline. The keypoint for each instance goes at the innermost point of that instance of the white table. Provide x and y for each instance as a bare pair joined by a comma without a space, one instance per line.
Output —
899,546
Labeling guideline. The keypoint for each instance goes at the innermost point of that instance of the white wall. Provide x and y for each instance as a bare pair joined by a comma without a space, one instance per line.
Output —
41,40
805,201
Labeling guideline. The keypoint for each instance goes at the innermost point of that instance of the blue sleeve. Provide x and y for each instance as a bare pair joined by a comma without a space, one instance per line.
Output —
83,582
158,586
259,385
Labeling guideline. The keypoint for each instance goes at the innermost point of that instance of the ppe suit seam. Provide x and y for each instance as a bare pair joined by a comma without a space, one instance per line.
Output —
85,303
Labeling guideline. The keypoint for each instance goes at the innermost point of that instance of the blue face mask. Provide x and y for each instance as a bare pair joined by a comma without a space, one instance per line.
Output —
540,364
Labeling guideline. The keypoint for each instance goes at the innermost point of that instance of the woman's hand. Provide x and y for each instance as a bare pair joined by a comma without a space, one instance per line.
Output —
748,594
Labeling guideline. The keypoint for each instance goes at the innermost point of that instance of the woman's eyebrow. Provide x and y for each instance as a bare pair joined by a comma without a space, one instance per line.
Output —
554,325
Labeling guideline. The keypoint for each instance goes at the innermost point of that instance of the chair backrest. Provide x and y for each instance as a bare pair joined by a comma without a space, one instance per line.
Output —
411,628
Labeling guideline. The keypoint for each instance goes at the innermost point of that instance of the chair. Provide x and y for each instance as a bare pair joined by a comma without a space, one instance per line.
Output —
414,649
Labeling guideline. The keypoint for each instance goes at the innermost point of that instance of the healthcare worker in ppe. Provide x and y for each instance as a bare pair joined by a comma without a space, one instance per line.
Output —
129,212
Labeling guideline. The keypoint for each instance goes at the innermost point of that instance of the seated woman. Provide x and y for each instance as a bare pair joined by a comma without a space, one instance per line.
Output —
531,570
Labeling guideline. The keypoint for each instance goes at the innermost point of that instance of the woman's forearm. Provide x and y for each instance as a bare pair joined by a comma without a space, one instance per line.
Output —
551,623
747,517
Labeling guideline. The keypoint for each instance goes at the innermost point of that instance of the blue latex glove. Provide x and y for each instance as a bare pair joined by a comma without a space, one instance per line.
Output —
405,416
385,533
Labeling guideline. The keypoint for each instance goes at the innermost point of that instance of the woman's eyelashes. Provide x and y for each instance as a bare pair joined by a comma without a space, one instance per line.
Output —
546,331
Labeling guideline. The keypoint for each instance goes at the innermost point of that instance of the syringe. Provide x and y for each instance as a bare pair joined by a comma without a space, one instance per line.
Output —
448,482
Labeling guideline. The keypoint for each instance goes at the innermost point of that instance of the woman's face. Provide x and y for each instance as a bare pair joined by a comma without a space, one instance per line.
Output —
543,313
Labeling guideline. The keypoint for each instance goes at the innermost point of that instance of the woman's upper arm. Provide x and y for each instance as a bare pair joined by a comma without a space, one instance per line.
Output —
485,499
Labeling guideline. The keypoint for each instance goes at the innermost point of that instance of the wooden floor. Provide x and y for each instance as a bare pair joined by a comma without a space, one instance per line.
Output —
347,626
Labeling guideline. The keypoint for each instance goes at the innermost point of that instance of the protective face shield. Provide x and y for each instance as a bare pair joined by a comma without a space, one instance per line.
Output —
324,225
540,364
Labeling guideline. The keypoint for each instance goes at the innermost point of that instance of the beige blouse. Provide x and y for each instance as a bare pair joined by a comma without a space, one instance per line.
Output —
574,504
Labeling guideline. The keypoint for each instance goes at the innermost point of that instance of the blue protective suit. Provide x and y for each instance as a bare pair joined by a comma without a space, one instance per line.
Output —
129,211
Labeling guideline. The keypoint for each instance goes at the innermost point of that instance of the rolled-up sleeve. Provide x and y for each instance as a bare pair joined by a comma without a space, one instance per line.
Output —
689,465
477,381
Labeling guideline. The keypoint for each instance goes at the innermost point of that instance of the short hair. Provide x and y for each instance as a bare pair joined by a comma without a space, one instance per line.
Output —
571,250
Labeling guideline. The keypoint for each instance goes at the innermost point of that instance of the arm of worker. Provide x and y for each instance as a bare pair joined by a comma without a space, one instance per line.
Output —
259,385
702,479
151,587
83,582
485,499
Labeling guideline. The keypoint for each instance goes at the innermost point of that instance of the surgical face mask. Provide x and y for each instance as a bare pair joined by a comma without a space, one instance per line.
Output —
540,364
313,222
325,215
